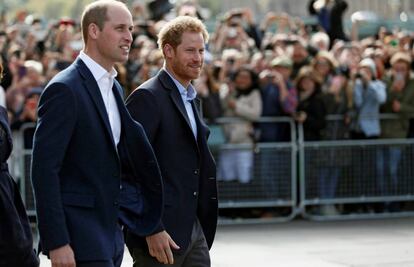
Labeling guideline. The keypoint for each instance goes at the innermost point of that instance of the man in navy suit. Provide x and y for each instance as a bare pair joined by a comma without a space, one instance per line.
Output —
93,167
168,110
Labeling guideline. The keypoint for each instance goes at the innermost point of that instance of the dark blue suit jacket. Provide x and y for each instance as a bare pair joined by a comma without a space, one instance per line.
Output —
76,169
16,242
187,166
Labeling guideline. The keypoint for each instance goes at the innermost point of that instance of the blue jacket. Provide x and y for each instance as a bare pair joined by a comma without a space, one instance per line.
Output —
367,102
76,170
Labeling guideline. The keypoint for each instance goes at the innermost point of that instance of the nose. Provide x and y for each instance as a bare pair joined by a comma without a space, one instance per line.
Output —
198,56
128,37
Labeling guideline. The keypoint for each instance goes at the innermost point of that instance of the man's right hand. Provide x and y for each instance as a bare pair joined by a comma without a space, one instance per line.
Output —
160,245
62,257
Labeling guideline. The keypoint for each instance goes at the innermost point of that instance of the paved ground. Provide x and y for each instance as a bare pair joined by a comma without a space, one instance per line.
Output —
370,243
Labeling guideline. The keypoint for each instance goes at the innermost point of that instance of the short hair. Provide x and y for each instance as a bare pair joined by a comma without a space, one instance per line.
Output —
173,30
96,13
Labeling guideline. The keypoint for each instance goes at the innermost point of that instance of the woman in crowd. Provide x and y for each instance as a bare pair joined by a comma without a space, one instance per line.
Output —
338,102
311,114
324,66
310,111
400,101
243,101
368,94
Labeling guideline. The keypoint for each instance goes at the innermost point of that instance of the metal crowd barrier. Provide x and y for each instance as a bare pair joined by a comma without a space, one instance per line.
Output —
294,175
359,178
20,164
274,174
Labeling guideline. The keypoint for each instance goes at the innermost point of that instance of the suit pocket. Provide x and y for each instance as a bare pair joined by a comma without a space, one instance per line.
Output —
78,200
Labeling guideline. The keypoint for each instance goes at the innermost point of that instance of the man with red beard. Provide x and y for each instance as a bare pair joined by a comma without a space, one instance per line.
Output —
167,108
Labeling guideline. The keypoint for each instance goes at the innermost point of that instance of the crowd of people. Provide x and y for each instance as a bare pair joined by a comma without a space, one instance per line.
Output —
277,66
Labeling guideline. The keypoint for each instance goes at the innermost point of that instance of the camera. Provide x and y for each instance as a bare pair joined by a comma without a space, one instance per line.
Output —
343,70
231,61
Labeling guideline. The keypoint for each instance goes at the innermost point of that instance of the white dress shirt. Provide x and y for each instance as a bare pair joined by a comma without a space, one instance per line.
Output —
105,82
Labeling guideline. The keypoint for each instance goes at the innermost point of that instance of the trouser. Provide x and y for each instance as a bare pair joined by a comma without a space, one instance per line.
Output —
196,255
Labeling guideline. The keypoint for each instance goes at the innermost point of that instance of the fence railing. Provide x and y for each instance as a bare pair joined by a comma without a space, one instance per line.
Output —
273,171
302,177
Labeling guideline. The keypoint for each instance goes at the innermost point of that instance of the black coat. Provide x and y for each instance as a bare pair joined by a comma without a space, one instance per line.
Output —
16,242
335,19
187,167
315,120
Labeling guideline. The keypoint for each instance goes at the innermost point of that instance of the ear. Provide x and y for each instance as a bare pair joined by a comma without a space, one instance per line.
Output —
168,51
93,31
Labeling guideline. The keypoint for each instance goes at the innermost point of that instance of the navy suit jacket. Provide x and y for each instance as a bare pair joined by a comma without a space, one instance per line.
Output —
16,242
76,170
186,164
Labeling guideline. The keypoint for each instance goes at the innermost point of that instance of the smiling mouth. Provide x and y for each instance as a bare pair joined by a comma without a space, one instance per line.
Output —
125,48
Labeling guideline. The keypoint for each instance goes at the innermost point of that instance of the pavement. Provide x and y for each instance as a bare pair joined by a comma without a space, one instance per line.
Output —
363,243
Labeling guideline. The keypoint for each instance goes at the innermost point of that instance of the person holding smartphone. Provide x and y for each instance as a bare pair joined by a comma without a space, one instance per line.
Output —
400,101
368,95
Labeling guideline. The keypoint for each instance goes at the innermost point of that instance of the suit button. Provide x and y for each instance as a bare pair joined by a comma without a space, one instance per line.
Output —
196,172
120,187
195,193
116,203
116,175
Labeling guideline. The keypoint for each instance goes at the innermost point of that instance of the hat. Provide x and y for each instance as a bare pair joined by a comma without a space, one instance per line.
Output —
67,21
328,56
158,8
282,61
400,56
369,63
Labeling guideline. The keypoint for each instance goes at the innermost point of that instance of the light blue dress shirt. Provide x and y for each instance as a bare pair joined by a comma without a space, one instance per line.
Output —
187,95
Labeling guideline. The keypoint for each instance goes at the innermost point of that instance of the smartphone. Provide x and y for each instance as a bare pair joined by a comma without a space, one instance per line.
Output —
399,76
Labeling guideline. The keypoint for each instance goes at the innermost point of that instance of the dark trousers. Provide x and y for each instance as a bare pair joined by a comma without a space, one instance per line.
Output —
196,255
118,254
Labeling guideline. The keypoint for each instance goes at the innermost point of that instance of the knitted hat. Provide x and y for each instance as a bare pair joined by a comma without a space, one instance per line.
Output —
329,57
369,63
282,61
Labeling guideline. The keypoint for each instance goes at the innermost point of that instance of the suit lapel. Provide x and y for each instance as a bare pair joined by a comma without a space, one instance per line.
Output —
93,90
178,101
175,96
200,124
